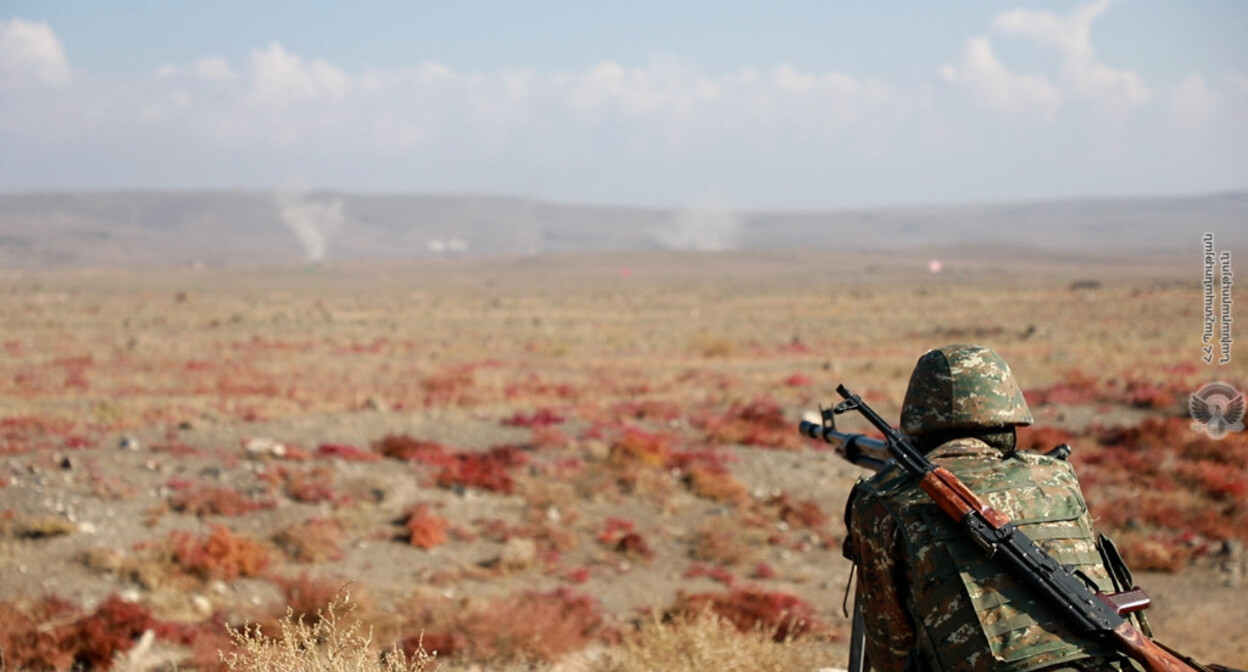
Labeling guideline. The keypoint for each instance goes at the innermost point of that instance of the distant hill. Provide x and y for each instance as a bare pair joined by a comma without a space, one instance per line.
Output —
147,228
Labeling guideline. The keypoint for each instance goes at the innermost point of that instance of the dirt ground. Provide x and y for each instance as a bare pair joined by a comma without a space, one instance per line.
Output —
121,390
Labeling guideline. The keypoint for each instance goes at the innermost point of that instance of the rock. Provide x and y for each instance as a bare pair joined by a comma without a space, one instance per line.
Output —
518,555
201,605
260,445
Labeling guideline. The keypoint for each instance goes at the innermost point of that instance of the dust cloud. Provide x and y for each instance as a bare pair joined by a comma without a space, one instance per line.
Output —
708,225
314,223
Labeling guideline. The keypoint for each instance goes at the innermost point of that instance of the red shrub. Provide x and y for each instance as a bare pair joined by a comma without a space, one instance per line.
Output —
534,387
719,574
311,486
710,459
764,571
1153,554
78,442
1041,439
307,596
426,528
486,471
220,555
542,417
799,380
528,626
535,625
760,422
615,529
634,545
782,615
1218,480
112,627
452,386
802,513
88,642
1149,396
1229,451
1151,433
207,500
638,447
415,450
1076,387
716,485
313,540
1160,480
346,452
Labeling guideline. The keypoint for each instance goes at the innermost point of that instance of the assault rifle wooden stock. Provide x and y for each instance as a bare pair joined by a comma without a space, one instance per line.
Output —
1085,610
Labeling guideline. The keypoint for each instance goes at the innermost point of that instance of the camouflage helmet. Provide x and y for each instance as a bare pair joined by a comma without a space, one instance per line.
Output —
962,387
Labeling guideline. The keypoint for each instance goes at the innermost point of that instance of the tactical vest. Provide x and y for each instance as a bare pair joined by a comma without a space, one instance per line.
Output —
971,614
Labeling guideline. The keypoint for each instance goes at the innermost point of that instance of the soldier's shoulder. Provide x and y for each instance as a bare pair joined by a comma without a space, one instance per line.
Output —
1043,467
887,480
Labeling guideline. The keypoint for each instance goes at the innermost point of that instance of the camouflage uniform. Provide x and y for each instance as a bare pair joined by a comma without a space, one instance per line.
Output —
931,598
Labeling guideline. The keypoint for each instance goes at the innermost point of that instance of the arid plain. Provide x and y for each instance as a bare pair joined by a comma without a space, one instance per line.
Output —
519,457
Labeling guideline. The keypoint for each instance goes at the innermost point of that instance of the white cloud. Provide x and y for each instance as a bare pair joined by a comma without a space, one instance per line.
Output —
1000,89
277,76
789,80
1236,82
31,52
1083,74
209,68
1192,102
653,132
280,99
214,69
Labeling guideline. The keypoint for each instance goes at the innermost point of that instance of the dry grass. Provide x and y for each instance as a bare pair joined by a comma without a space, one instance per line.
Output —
725,542
698,644
40,527
330,642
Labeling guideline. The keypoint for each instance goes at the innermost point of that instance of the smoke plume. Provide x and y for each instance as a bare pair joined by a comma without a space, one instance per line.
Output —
710,224
312,222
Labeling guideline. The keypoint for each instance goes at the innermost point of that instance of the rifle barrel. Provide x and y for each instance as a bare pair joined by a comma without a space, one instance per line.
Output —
863,451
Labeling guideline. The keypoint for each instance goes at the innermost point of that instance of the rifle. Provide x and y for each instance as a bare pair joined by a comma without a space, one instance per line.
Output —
859,449
866,452
1085,609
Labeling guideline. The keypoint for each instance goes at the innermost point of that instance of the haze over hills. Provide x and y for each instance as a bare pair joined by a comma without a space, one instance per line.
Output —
157,228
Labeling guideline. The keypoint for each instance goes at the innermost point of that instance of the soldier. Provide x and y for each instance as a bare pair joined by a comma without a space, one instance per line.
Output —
930,598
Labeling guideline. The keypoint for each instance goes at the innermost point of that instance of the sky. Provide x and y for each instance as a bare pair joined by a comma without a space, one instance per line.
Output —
779,105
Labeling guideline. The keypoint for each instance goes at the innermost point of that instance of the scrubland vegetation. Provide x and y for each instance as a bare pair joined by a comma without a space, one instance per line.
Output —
597,471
